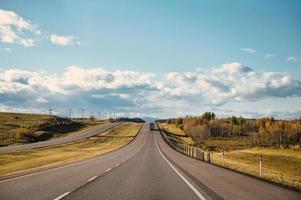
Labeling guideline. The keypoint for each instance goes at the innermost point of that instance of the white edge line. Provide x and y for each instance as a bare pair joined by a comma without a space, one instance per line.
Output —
181,176
62,196
91,179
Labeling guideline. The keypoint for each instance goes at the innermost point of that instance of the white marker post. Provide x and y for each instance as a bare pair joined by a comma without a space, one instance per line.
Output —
223,154
260,165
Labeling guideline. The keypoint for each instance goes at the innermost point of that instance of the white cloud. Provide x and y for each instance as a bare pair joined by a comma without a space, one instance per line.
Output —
16,30
97,89
248,50
292,59
269,56
13,29
63,40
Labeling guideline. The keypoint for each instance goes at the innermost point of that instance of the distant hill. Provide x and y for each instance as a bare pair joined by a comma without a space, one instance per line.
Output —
161,120
126,119
150,119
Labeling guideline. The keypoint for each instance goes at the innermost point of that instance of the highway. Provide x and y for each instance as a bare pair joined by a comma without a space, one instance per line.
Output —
58,141
147,168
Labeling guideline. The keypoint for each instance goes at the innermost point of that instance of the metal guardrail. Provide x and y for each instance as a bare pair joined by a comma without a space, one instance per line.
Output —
188,150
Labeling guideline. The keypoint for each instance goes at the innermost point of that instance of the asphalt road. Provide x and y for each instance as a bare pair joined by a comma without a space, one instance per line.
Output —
58,141
147,168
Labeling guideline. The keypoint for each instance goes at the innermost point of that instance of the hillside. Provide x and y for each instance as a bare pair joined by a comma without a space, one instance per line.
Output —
16,128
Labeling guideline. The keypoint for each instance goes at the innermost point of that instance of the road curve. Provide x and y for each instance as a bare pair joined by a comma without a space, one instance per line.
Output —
58,141
147,168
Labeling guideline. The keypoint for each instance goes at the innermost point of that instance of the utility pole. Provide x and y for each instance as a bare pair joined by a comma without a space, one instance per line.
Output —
98,115
50,111
83,113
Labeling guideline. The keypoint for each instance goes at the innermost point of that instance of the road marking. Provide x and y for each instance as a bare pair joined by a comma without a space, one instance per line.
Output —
62,196
117,164
108,169
91,179
181,176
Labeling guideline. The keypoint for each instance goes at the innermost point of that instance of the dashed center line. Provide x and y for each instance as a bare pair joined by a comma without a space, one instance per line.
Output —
62,196
117,164
108,169
91,179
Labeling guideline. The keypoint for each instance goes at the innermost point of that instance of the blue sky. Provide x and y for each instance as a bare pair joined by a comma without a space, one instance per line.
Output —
157,38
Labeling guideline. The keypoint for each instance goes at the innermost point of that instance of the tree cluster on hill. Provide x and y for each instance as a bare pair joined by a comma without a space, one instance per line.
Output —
265,132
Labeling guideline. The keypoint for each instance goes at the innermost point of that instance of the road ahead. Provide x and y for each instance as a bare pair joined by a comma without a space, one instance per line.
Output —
145,169
62,140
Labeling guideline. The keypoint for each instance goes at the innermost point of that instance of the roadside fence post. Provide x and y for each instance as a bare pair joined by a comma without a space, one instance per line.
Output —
208,157
260,165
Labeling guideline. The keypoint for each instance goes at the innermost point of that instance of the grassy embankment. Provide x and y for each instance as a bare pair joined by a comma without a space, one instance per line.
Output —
44,157
279,165
176,133
18,128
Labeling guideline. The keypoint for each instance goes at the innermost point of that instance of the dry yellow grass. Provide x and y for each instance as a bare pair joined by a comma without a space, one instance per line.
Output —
279,165
19,161
177,133
172,129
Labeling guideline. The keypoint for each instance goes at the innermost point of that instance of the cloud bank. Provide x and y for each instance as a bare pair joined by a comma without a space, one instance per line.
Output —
142,93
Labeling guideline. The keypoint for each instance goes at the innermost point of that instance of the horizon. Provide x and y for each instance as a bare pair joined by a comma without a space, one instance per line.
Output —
151,59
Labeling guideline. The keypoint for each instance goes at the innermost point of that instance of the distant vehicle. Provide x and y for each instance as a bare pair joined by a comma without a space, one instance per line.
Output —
152,126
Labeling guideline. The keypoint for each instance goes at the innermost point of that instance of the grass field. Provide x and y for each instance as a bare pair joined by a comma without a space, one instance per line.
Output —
279,165
225,144
108,141
18,128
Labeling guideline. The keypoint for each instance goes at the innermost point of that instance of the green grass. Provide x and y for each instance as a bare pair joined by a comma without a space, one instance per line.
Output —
16,128
105,142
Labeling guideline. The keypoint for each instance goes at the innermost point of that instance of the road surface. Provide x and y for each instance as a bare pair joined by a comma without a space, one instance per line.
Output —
58,141
147,168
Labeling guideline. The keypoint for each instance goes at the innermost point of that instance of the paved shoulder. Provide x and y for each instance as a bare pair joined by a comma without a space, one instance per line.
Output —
70,138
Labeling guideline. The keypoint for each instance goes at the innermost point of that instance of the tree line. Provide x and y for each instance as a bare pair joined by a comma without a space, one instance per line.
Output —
264,132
